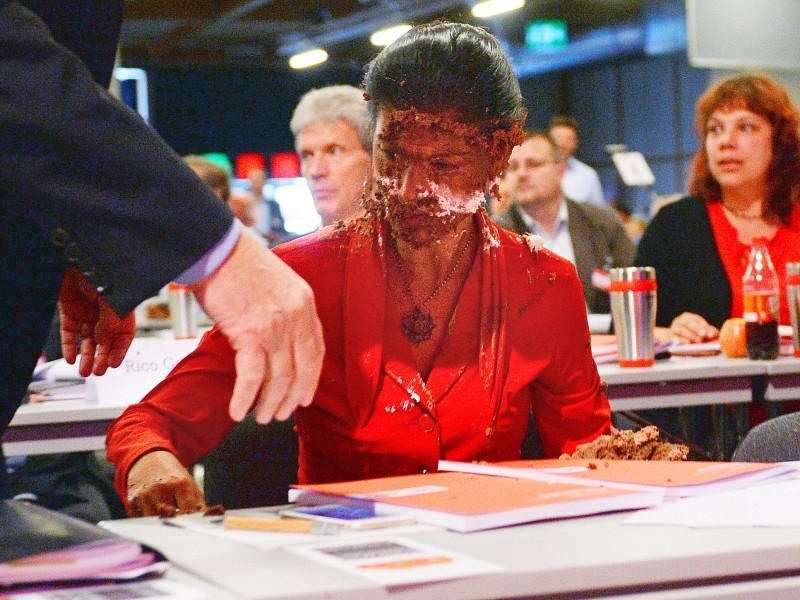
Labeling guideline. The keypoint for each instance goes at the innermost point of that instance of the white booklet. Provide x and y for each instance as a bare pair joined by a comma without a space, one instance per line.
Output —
395,561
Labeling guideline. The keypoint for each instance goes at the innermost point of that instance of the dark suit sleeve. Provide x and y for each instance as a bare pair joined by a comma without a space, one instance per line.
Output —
91,175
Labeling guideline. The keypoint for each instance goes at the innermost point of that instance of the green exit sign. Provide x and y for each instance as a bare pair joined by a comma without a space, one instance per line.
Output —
546,35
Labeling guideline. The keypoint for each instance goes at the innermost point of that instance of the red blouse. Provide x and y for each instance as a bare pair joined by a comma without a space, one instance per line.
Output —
783,248
519,339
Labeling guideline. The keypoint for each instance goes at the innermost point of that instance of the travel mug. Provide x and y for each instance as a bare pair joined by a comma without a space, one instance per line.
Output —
793,296
633,311
182,311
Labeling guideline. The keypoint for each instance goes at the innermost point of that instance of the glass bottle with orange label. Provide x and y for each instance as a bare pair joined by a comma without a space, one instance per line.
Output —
761,304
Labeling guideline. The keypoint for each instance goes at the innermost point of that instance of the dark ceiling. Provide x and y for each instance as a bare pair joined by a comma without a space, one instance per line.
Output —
263,33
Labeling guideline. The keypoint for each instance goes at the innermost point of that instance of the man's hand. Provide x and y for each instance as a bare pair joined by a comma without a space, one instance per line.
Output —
268,314
159,485
87,318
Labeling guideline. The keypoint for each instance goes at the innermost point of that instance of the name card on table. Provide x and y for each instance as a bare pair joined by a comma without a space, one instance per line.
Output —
147,362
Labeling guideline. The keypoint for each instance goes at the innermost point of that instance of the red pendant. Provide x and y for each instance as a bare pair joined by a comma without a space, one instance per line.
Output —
417,326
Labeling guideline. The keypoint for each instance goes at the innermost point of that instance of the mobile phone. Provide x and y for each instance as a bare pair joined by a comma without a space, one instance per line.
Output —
347,516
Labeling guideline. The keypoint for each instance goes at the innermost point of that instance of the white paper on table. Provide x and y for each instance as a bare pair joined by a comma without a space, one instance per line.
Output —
394,561
699,348
141,590
271,540
765,505
57,370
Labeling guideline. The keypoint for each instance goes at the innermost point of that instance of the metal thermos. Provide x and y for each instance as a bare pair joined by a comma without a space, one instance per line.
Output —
633,311
793,296
182,311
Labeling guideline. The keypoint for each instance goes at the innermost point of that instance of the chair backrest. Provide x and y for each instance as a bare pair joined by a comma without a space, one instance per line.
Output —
254,465
775,440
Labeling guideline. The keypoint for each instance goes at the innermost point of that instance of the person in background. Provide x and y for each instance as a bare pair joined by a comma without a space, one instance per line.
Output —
581,182
443,330
243,206
744,183
332,137
590,237
633,224
497,204
241,202
98,214
268,217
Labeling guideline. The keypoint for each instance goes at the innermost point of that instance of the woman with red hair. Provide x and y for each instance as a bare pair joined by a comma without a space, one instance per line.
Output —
744,184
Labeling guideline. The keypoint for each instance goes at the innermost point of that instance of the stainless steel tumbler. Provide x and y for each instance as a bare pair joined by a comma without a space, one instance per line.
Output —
183,311
793,296
633,311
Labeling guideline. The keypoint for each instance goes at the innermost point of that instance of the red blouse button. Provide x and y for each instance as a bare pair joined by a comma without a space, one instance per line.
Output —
426,424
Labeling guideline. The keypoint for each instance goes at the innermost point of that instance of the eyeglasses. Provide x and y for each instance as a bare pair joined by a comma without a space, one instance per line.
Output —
530,164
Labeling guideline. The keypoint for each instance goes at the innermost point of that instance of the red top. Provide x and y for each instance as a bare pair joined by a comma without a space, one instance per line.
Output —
519,338
783,248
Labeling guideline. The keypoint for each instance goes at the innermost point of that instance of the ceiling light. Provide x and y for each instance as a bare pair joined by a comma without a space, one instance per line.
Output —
491,8
384,37
308,58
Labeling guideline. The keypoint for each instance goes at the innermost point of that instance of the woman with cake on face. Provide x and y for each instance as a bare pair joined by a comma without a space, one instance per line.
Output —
442,331
745,184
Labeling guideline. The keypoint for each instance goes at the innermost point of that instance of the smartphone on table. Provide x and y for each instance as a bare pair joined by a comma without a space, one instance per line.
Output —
347,516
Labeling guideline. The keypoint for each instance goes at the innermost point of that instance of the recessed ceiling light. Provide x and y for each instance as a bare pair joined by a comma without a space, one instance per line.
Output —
384,37
308,58
491,8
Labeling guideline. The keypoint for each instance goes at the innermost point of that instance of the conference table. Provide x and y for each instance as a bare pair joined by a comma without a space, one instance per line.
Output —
587,557
59,426
725,384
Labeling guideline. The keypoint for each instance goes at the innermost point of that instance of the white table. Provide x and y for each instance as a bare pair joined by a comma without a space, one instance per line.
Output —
595,557
75,425
783,379
59,426
681,381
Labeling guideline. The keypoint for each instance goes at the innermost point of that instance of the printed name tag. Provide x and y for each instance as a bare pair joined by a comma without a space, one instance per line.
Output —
147,362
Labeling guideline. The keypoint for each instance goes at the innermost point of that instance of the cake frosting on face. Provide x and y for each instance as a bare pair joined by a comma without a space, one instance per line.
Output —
624,444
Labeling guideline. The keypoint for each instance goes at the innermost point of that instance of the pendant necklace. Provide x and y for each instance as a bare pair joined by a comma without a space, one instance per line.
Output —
737,213
417,324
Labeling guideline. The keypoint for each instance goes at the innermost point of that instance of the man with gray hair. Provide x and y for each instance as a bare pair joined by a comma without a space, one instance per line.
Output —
331,132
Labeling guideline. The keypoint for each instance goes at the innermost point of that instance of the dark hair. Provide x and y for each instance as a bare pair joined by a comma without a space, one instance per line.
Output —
762,95
215,176
564,121
529,134
447,66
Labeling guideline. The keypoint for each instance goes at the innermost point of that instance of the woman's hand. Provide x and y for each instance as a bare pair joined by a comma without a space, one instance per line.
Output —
664,335
692,328
159,485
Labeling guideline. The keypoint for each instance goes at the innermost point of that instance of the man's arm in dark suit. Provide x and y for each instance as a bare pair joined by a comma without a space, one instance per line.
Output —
128,213
94,177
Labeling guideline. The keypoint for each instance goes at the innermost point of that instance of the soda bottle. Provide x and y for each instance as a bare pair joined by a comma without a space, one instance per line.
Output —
761,304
